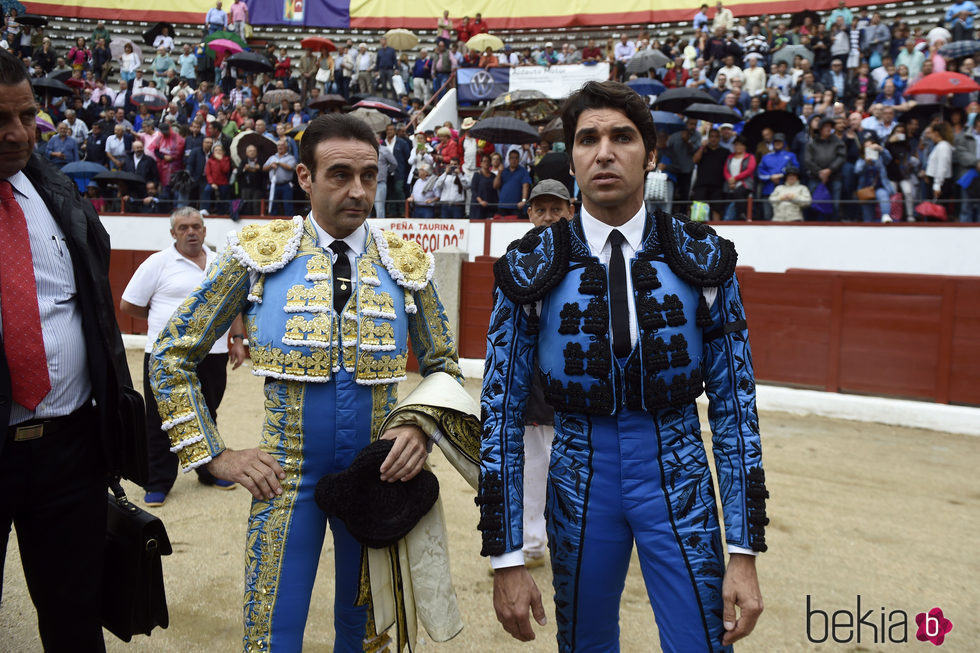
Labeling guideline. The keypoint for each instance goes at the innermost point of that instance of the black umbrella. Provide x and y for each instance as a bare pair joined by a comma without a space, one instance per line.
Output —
242,140
799,17
119,176
155,31
505,130
781,122
924,113
643,61
60,75
33,20
83,168
712,112
251,62
328,102
50,86
676,100
554,131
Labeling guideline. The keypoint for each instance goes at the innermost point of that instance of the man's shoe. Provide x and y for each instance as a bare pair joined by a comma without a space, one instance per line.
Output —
222,484
155,499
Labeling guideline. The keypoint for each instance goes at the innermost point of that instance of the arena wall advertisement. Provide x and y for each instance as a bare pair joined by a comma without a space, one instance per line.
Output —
385,14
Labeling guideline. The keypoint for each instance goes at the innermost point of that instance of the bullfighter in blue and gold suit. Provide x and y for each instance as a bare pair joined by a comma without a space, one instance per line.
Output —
330,389
627,463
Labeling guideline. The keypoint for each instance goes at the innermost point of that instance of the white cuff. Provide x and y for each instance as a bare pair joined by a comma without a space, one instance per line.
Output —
737,549
512,559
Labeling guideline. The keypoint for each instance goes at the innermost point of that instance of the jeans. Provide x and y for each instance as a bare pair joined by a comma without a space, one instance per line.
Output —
424,211
216,202
883,200
380,196
450,210
282,204
384,77
437,81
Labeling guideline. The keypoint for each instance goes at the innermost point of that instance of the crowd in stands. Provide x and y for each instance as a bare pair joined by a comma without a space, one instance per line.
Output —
860,148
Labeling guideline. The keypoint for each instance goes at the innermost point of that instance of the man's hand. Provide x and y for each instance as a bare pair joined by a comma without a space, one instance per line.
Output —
824,175
236,353
407,455
255,470
514,593
741,588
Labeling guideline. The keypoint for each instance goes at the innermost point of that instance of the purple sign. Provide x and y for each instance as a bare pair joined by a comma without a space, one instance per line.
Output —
300,13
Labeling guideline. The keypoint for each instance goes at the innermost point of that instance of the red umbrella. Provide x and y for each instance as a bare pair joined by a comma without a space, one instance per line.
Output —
943,84
318,43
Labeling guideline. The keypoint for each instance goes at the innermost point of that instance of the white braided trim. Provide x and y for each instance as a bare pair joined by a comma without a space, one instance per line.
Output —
377,348
385,254
370,281
309,308
166,426
350,316
349,369
317,276
349,343
335,368
196,464
255,299
370,312
411,309
394,379
291,377
289,251
292,342
186,443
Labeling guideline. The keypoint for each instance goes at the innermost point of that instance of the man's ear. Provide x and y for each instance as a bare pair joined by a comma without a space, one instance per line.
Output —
651,161
304,177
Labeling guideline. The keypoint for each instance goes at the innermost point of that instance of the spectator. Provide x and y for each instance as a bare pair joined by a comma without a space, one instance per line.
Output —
444,27
478,26
364,61
872,180
788,200
875,38
160,65
772,170
281,167
423,193
681,147
710,159
62,148
129,63
841,12
195,163
463,32
45,56
100,32
902,167
77,128
623,52
216,19
443,65
164,40
95,145
754,76
825,156
387,164
252,181
401,148
79,55
723,19
238,17
483,205
451,187
217,171
780,80
309,72
966,7
590,53
421,76
512,184
386,61
701,19
738,173
168,148
117,146
835,79
548,56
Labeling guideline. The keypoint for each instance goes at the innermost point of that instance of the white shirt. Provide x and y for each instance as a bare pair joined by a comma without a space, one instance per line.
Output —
57,299
162,282
356,243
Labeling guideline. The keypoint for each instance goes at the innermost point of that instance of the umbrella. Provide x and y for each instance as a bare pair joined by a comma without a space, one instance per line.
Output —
225,35
154,100
251,61
248,137
376,120
224,46
676,100
944,83
554,131
481,42
119,176
277,95
781,122
75,82
666,121
33,20
712,112
958,49
799,17
530,106
646,86
500,129
83,168
387,107
44,123
641,62
117,48
318,43
51,86
155,31
401,39
924,113
328,102
60,75
789,54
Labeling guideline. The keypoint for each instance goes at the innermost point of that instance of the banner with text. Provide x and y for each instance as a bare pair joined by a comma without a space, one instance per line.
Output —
556,81
432,235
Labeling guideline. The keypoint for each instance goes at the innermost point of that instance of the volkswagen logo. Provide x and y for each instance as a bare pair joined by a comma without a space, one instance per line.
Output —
482,84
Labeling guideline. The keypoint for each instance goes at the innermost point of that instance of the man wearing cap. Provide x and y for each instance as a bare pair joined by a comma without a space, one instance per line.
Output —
772,169
548,56
330,304
824,157
364,62
788,199
631,317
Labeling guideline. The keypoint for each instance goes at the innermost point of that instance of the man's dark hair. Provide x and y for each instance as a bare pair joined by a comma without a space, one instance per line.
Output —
12,69
608,95
332,125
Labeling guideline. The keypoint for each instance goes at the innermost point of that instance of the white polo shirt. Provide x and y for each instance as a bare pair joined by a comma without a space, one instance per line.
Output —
163,282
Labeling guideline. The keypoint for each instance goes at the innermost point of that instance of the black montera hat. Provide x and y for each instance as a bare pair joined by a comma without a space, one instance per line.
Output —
377,513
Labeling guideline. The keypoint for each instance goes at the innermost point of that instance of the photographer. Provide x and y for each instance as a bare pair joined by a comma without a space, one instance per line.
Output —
451,187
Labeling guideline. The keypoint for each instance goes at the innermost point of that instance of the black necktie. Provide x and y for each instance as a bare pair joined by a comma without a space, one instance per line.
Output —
341,276
618,302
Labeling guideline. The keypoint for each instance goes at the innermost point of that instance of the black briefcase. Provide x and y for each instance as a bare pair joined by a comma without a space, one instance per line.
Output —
133,597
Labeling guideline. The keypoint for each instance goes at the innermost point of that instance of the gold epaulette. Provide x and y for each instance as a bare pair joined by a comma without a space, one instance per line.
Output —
408,264
267,247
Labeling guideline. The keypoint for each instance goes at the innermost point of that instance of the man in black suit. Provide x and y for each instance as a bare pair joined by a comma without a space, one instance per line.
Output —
61,388
140,164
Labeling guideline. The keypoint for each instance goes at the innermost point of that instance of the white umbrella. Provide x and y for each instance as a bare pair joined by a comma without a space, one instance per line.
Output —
117,45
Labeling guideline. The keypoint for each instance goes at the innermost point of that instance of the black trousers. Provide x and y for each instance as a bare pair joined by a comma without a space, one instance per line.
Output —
53,491
213,374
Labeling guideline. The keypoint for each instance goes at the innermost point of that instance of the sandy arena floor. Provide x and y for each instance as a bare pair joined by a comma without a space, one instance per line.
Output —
890,514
